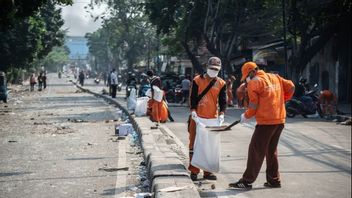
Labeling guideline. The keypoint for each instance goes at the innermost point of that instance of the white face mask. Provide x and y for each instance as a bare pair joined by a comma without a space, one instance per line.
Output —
248,79
212,73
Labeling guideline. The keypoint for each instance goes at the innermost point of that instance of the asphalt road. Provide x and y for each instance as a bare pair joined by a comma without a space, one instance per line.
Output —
314,156
58,143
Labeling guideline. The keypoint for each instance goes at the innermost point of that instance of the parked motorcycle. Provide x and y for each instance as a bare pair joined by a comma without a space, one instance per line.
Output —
119,87
178,93
305,105
96,80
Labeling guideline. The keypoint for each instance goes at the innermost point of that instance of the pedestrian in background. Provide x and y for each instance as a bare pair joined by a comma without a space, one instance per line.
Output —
206,106
32,81
44,79
186,85
40,81
242,96
81,77
113,79
229,83
267,95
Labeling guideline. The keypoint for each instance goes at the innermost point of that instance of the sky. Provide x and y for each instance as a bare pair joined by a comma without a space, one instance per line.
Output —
78,21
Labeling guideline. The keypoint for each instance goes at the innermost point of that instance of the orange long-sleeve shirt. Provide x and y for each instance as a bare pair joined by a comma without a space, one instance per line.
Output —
267,95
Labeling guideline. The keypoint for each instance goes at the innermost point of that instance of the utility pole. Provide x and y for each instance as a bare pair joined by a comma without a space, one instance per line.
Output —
284,30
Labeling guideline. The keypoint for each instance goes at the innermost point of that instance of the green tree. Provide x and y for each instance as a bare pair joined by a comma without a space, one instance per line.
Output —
223,25
125,38
314,19
31,37
56,59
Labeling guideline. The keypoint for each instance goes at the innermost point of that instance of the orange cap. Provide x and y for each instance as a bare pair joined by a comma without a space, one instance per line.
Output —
246,68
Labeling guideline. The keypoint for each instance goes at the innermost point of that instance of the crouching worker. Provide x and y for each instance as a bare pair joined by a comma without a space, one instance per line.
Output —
208,92
157,110
267,95
328,102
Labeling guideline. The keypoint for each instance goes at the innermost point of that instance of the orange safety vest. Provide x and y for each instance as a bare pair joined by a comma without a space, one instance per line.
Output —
208,105
267,95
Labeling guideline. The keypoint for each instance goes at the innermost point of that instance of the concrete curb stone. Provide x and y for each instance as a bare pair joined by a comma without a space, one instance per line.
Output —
164,167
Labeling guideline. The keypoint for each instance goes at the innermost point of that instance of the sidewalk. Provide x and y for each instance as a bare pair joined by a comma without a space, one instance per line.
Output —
167,173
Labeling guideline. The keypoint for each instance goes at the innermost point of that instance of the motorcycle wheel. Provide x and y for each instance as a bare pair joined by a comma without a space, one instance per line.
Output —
290,114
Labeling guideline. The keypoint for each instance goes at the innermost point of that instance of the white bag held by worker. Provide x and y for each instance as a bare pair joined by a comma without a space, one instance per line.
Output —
132,100
158,94
206,150
141,106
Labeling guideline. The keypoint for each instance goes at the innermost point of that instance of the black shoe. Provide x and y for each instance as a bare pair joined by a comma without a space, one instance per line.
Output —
272,185
194,177
211,176
241,184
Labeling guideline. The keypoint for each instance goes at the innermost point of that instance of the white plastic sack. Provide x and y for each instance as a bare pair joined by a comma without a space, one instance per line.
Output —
141,106
158,94
125,129
148,93
132,100
206,150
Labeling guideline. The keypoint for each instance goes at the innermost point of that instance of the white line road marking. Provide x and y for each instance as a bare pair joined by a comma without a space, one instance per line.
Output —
121,177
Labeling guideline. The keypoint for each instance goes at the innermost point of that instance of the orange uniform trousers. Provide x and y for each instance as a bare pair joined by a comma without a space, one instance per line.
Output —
157,111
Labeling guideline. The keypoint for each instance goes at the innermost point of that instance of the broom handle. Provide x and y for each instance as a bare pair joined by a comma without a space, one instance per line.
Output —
233,124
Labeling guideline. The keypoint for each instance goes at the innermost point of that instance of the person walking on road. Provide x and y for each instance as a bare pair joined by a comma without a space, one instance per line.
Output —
113,81
40,81
206,106
267,95
32,81
44,80
81,77
186,84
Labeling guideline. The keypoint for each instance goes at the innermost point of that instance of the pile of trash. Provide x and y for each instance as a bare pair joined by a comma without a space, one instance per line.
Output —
126,130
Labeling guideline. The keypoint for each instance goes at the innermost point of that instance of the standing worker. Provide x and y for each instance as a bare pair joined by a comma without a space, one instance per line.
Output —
205,105
267,95
229,83
113,83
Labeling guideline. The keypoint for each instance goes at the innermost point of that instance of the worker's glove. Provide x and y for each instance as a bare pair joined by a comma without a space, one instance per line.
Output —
243,118
194,116
221,119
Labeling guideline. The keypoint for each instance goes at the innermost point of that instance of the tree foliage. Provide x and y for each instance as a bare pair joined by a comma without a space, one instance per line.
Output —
32,36
125,38
58,57
223,26
318,20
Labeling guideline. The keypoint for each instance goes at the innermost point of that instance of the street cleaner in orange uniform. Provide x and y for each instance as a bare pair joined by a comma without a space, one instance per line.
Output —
158,111
206,106
267,95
